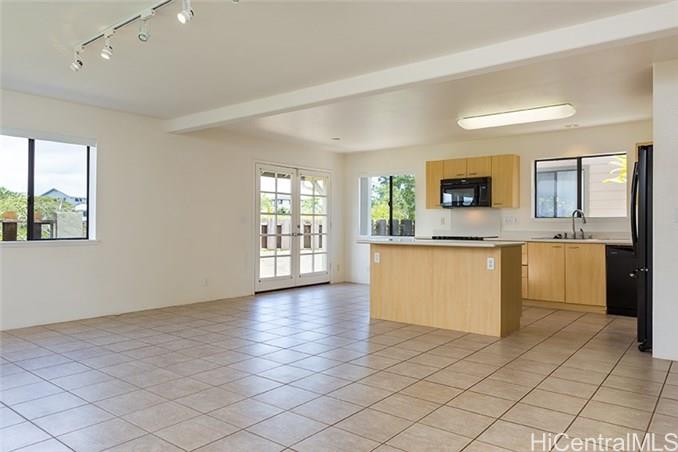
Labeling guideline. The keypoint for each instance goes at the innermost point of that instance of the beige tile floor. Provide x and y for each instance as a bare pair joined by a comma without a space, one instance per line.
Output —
307,370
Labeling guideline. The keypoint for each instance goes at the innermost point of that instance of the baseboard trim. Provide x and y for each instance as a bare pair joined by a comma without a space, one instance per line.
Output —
564,306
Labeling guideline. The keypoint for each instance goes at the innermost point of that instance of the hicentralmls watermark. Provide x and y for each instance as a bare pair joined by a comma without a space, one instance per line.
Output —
648,442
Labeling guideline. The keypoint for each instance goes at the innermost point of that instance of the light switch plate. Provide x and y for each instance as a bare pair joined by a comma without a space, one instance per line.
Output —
490,263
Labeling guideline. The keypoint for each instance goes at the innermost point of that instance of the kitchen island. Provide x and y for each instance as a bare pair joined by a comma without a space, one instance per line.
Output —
471,286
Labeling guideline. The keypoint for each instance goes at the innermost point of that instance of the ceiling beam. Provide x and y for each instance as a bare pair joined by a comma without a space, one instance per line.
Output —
636,26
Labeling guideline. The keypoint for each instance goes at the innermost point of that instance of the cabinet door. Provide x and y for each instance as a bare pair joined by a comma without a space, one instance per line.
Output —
434,173
454,168
506,181
479,167
524,281
546,271
585,274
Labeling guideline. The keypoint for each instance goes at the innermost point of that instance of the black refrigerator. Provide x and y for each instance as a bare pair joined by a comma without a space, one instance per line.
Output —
641,234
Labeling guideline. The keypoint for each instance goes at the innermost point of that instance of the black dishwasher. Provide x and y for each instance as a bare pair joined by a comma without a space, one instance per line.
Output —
622,298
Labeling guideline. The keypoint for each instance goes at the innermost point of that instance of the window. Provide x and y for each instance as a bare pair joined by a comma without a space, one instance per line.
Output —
44,189
387,205
596,184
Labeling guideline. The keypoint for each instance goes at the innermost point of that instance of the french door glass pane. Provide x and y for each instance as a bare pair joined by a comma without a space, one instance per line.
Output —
306,264
320,243
319,262
60,190
283,204
267,182
266,268
320,224
307,205
267,245
267,200
284,183
283,266
319,205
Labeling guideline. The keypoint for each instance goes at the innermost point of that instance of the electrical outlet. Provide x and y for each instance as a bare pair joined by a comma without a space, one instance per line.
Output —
205,282
490,263
442,221
377,258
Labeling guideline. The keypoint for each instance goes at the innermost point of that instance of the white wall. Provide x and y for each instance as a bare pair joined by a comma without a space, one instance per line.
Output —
572,142
171,211
665,210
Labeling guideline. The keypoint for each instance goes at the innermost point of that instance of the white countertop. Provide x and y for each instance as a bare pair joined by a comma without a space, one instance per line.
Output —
449,243
592,241
487,243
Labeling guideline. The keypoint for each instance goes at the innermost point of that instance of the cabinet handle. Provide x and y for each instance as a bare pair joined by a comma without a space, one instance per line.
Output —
557,246
472,174
498,203
574,247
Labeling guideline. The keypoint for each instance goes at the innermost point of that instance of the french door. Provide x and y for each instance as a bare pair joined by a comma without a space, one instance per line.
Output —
292,227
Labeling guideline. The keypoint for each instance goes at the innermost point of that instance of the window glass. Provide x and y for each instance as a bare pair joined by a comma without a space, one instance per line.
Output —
387,205
605,186
556,185
379,205
602,180
402,222
13,187
60,190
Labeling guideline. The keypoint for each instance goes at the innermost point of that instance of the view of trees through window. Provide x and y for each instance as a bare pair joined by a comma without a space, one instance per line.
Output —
392,205
59,183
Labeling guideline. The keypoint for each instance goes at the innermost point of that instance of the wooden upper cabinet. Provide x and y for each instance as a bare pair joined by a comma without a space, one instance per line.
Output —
434,174
479,167
505,181
454,168
585,274
546,271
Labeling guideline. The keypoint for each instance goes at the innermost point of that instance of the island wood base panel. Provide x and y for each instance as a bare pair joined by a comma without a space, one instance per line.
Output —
447,287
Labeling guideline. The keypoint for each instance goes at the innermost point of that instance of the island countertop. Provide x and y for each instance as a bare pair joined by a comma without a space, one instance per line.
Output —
452,243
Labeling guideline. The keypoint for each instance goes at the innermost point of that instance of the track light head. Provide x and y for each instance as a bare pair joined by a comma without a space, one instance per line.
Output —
77,64
186,14
144,32
107,50
145,27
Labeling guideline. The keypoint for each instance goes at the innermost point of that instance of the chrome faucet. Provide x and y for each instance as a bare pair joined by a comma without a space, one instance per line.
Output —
574,217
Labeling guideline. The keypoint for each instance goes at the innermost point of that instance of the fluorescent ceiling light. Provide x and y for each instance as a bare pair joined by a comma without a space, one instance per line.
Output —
518,117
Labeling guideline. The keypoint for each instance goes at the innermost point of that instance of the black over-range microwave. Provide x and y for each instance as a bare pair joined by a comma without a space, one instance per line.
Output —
471,192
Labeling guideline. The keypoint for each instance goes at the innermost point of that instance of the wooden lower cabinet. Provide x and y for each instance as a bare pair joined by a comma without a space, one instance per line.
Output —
546,271
585,276
572,273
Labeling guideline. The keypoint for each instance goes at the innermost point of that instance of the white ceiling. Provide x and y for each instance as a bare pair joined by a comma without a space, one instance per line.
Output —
234,53
608,86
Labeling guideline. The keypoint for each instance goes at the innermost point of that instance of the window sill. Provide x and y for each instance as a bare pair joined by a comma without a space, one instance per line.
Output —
48,243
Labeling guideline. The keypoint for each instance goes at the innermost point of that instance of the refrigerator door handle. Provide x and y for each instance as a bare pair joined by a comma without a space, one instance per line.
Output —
634,208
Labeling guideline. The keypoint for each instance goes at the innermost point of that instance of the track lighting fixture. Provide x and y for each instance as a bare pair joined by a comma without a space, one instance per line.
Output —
186,13
144,27
107,50
184,16
77,64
